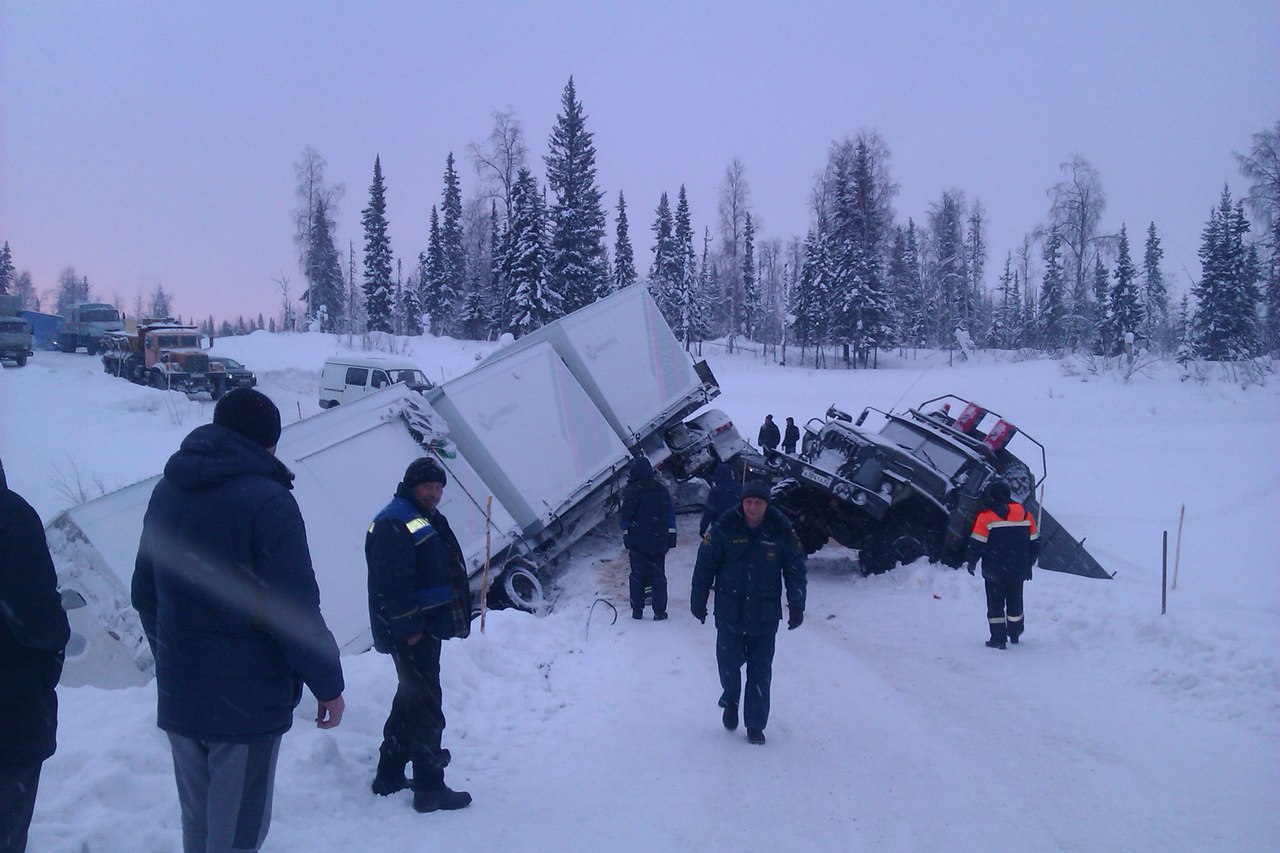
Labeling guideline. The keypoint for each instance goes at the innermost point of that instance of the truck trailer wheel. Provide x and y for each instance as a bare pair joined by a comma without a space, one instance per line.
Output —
521,588
21,361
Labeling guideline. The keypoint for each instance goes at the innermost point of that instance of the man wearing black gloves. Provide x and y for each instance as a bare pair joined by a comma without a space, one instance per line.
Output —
746,558
33,636
229,602
1006,540
418,596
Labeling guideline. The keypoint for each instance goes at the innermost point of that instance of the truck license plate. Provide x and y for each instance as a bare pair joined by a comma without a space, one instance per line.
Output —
821,479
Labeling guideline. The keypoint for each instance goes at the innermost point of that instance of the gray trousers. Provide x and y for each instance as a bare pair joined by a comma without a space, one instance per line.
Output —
225,792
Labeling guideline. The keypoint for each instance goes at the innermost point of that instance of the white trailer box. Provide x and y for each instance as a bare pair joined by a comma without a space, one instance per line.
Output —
532,433
622,352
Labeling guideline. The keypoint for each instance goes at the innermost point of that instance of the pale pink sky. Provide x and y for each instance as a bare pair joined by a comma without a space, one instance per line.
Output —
147,143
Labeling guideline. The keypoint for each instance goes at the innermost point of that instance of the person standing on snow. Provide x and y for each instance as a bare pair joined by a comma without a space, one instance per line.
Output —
1006,540
648,519
419,595
33,638
228,599
769,436
747,557
790,437
725,494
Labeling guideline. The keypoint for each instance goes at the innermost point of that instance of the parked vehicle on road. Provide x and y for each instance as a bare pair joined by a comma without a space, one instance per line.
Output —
227,374
160,353
85,324
347,378
15,340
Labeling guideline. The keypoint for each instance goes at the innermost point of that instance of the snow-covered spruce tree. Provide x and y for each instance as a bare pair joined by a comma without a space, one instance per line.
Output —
750,285
664,271
1101,287
1052,319
437,301
410,306
975,260
810,299
858,285
1155,295
624,257
378,287
534,301
998,334
707,290
6,268
945,272
323,272
1224,325
453,254
906,298
1124,304
684,300
577,259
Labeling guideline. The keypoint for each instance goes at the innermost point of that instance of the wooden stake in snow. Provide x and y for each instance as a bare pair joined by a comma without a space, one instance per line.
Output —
1177,546
484,578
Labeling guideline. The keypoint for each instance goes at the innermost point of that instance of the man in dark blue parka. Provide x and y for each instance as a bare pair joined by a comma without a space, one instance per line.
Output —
725,494
648,519
229,602
33,635
747,557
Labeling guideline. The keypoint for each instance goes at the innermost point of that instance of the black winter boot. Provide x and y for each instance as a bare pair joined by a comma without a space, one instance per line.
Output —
730,717
389,778
755,736
431,794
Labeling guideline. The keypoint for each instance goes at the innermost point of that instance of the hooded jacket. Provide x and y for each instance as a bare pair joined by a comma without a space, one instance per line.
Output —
1006,540
725,494
33,635
227,595
648,516
747,567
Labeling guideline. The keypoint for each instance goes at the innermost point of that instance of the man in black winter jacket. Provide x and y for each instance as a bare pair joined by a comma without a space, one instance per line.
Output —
418,596
790,437
769,435
33,636
228,599
747,557
648,519
1006,540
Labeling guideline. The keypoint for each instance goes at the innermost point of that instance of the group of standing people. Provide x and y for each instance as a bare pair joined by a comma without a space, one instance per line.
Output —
228,599
770,437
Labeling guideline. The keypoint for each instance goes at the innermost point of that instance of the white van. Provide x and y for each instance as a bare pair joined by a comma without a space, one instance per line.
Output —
348,377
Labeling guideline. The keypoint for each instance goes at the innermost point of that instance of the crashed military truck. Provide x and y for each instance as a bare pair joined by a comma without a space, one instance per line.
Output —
537,441
906,485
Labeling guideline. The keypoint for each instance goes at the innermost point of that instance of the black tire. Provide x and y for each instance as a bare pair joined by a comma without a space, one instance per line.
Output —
21,361
894,544
811,538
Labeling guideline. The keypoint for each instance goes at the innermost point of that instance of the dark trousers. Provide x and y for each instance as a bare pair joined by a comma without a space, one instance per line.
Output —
416,723
649,570
17,804
1004,608
733,649
225,792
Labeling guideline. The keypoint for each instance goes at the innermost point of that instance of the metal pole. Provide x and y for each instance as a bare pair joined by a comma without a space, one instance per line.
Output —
1164,574
484,579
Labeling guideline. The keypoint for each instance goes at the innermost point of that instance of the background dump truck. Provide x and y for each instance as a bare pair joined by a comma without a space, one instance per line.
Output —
15,333
911,484
536,460
85,324
159,353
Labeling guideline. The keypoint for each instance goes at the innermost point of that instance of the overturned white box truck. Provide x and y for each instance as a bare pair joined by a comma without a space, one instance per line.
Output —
537,440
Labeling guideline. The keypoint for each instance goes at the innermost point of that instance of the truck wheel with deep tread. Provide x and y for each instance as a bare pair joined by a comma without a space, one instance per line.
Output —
21,360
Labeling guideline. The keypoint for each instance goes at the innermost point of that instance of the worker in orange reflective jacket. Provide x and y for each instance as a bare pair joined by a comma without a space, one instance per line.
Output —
1006,540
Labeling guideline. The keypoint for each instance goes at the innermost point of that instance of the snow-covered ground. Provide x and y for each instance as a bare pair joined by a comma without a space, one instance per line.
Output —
1110,727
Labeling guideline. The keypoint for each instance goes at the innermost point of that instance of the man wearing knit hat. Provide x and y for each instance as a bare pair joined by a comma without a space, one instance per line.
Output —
1005,539
419,595
746,557
229,602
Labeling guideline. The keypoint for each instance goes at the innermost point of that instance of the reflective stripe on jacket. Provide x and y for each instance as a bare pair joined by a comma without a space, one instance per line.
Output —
1006,543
